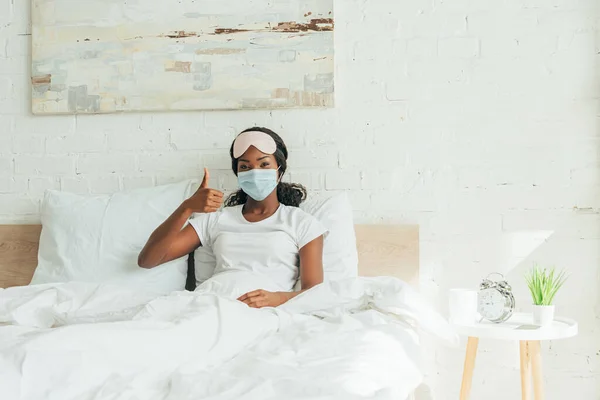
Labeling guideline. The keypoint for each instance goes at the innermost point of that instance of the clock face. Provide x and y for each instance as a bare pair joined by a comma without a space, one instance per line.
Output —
491,304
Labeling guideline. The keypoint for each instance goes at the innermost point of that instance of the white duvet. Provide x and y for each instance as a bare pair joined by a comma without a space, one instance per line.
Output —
351,339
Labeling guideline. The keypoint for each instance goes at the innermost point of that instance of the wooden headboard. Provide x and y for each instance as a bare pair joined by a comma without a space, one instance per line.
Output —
388,250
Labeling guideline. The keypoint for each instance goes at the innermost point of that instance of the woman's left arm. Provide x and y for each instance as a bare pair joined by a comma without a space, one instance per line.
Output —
311,274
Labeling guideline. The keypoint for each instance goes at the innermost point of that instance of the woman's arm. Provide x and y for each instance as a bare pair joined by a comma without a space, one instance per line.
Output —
311,264
311,274
169,242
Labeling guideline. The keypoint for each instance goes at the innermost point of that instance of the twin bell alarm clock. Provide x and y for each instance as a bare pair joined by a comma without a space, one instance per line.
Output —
495,301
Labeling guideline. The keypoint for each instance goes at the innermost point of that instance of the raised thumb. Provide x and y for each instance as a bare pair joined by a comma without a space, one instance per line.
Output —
204,183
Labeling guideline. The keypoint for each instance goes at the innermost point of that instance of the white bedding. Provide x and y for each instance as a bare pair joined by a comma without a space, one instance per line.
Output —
351,339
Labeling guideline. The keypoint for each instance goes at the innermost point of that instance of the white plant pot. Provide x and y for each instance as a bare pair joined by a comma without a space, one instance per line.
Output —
543,315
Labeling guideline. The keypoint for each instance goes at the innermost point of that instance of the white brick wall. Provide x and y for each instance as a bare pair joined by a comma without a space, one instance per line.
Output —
80,142
477,119
44,165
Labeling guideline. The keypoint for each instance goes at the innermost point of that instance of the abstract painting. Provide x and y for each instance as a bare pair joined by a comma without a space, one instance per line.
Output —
103,56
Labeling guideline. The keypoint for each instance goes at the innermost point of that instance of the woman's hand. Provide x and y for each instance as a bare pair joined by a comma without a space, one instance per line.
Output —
262,298
205,200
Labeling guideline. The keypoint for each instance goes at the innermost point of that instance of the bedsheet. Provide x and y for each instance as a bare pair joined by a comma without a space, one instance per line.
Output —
351,339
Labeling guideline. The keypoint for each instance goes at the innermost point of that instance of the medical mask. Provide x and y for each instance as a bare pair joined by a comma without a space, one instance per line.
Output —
258,183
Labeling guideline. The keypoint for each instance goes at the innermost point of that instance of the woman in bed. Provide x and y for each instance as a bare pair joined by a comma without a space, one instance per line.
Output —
261,240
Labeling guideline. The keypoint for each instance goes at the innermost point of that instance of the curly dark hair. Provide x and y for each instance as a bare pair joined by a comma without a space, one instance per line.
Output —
289,194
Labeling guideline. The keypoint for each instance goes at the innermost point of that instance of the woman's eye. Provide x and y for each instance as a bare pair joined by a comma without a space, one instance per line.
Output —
264,165
243,167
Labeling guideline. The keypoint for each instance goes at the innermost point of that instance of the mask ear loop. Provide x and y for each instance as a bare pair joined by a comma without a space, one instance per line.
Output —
280,176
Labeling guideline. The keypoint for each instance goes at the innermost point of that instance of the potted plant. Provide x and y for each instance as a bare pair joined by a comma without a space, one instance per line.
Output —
544,284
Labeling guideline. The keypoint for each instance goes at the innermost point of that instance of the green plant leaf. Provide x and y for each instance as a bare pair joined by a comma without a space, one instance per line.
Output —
544,284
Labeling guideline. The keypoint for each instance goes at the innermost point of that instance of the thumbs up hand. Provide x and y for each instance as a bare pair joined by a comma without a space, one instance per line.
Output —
205,200
204,184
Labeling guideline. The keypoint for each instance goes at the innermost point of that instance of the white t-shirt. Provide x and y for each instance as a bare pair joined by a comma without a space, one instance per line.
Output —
268,248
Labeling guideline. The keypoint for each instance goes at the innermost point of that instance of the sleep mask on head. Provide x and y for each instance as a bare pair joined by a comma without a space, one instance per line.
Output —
260,140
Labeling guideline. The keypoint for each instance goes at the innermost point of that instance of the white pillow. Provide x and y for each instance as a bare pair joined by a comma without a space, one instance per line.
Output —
340,257
98,238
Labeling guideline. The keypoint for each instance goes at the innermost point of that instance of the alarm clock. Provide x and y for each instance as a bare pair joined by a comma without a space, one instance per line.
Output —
495,301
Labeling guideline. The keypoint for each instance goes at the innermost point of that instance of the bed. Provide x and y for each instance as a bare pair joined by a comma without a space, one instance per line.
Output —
384,250
363,347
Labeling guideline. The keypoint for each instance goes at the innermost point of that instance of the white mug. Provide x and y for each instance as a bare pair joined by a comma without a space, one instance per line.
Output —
463,306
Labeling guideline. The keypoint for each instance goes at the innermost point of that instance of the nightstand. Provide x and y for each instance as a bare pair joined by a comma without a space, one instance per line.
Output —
520,328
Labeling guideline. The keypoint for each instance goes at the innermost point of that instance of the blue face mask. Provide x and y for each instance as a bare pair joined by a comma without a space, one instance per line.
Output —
258,183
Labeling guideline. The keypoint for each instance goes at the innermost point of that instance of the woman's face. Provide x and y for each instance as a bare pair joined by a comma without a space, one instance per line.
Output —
254,158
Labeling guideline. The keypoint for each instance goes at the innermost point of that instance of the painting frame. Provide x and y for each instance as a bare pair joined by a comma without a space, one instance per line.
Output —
105,56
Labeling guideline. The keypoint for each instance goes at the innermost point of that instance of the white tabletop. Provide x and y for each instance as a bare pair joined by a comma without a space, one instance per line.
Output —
520,327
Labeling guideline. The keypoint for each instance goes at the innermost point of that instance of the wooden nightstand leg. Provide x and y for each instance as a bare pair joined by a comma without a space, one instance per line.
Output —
536,367
525,370
465,388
